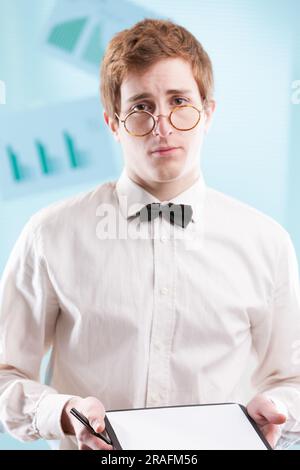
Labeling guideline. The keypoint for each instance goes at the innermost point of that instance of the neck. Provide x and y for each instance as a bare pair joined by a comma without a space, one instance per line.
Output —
164,191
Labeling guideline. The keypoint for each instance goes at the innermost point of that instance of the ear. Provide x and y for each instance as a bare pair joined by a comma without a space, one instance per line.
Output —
113,124
209,111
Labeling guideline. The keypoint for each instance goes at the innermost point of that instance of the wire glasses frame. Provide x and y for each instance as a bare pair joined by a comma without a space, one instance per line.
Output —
155,119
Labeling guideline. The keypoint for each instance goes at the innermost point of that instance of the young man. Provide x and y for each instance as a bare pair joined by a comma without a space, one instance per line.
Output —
155,289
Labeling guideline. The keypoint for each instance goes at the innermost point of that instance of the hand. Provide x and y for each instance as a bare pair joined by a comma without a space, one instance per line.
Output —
267,416
94,410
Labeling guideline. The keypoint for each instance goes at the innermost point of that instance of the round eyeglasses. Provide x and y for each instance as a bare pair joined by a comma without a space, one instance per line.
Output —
141,123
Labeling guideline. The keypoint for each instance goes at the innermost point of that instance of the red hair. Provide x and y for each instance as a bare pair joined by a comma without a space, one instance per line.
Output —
139,47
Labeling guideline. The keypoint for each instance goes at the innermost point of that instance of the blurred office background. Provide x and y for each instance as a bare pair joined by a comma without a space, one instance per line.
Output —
52,139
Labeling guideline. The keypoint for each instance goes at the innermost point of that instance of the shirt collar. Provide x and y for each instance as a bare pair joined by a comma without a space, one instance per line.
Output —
132,197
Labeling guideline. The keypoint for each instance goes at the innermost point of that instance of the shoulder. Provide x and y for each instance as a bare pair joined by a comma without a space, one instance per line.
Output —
72,212
242,221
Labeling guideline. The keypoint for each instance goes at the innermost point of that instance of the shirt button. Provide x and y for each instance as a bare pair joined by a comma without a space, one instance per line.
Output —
163,239
164,290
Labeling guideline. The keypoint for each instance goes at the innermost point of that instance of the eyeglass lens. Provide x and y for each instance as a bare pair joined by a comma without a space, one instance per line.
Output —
141,123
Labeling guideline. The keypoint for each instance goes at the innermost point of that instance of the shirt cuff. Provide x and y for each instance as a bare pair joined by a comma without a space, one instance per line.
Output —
48,415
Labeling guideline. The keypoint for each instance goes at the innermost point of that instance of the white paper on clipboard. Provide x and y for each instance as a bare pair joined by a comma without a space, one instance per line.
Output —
204,427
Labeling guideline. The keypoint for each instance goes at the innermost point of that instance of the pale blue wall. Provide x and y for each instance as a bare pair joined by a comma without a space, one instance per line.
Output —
252,151
293,177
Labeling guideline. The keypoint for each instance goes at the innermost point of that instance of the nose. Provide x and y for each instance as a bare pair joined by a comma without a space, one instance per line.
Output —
162,127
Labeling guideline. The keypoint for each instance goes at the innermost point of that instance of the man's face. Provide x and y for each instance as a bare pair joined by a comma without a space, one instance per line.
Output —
142,159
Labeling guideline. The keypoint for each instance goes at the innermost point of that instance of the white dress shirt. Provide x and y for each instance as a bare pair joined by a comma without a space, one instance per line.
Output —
146,314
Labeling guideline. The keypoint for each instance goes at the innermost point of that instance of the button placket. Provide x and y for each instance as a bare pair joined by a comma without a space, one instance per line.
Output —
163,315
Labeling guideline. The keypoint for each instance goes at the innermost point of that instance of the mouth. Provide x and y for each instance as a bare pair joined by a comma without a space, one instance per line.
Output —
164,151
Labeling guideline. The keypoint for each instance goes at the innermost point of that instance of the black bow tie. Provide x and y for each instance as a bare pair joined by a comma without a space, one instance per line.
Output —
179,214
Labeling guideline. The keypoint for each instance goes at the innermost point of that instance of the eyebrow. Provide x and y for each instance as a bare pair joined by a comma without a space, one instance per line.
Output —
141,96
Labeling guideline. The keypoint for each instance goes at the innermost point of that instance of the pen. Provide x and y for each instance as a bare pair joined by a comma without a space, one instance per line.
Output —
86,423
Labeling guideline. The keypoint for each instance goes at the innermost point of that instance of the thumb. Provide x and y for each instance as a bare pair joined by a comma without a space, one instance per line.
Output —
97,423
273,413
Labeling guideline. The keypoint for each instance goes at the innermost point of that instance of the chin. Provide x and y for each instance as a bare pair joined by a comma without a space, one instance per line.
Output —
167,175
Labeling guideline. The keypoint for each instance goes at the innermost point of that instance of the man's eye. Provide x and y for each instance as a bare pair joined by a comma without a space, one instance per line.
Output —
148,107
180,101
141,107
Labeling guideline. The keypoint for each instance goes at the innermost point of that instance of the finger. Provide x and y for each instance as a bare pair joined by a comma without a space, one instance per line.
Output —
82,446
95,443
94,410
272,433
271,413
98,424
263,411
92,442
95,413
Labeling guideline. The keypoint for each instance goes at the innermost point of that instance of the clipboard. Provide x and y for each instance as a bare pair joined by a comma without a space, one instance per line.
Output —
214,426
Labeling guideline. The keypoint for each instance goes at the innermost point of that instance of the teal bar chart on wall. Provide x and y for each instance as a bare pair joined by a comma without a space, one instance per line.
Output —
54,146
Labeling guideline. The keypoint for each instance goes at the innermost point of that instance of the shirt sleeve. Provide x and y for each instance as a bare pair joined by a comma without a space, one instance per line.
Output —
276,339
29,309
